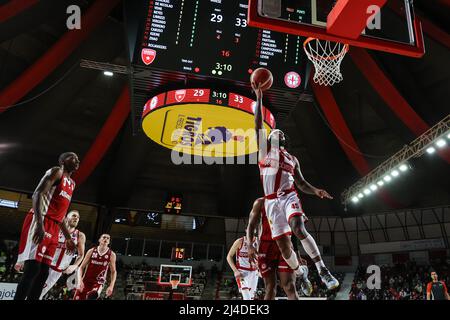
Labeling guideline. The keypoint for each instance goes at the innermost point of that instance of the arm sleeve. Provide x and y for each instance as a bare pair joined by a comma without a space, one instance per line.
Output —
445,287
429,287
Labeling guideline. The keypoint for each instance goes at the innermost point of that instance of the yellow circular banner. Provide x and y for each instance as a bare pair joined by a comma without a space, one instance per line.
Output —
204,122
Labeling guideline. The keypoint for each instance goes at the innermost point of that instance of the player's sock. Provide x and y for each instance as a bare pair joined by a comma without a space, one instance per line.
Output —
310,246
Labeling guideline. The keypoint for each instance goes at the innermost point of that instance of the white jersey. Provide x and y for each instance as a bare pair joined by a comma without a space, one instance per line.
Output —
277,171
63,258
242,261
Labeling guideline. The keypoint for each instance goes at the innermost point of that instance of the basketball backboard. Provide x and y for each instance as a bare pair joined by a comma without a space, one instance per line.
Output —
384,25
167,273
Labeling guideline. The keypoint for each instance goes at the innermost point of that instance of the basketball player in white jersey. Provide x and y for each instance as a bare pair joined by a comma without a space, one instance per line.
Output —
63,257
245,272
280,174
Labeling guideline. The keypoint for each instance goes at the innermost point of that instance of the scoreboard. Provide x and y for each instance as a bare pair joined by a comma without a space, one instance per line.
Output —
211,38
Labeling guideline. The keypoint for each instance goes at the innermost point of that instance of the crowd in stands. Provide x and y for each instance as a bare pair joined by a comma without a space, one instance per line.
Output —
405,281
8,256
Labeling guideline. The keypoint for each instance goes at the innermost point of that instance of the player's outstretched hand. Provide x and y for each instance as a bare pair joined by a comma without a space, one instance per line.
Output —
257,89
323,194
18,267
109,291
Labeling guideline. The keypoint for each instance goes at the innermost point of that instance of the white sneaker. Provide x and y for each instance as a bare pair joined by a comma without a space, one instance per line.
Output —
328,279
305,284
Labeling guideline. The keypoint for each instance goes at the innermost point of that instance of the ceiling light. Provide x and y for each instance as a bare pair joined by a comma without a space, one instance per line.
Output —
108,73
394,173
380,183
403,167
387,178
360,195
431,150
366,192
355,199
373,187
441,143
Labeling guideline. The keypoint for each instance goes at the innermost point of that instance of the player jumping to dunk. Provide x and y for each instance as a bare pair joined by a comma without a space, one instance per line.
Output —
280,173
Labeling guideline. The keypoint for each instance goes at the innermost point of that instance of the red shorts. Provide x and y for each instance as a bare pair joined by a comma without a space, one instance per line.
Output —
44,251
91,291
270,258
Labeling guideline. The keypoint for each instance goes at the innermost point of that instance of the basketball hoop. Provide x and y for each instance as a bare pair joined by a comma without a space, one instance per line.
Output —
327,57
174,283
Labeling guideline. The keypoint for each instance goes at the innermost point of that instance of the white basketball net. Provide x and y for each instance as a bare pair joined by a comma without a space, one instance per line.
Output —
327,57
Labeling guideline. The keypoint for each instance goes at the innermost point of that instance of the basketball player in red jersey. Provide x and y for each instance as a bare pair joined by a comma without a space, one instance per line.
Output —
245,271
63,257
95,268
40,231
279,172
270,261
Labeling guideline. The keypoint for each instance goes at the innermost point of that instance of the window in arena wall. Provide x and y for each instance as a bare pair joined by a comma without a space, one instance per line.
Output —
151,248
166,249
200,251
135,247
215,253
119,245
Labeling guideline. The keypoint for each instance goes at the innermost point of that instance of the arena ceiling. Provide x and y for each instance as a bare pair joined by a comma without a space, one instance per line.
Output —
67,110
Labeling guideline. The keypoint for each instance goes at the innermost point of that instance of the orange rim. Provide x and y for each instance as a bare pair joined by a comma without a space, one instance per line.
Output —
334,57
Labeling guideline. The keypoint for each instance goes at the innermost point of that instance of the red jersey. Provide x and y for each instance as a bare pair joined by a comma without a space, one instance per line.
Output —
57,200
97,268
265,234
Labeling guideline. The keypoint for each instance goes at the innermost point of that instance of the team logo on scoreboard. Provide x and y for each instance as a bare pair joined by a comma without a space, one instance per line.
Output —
292,79
153,103
180,95
148,56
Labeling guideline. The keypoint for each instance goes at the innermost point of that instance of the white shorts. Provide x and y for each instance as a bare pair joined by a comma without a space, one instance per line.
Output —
53,277
280,210
248,284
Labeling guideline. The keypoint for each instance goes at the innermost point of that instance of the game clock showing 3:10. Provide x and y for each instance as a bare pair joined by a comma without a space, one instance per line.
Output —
212,38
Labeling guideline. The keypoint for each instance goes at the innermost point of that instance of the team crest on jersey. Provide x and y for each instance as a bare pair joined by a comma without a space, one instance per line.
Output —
106,256
94,255
44,248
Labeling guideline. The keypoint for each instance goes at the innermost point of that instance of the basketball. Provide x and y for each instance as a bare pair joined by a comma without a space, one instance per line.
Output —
263,77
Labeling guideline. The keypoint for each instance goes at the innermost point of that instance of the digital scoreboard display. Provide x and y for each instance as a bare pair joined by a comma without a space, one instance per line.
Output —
212,38
177,254
173,204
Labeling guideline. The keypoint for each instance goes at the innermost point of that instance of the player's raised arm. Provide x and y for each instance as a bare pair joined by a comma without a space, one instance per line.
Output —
305,186
253,222
112,266
230,257
260,80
